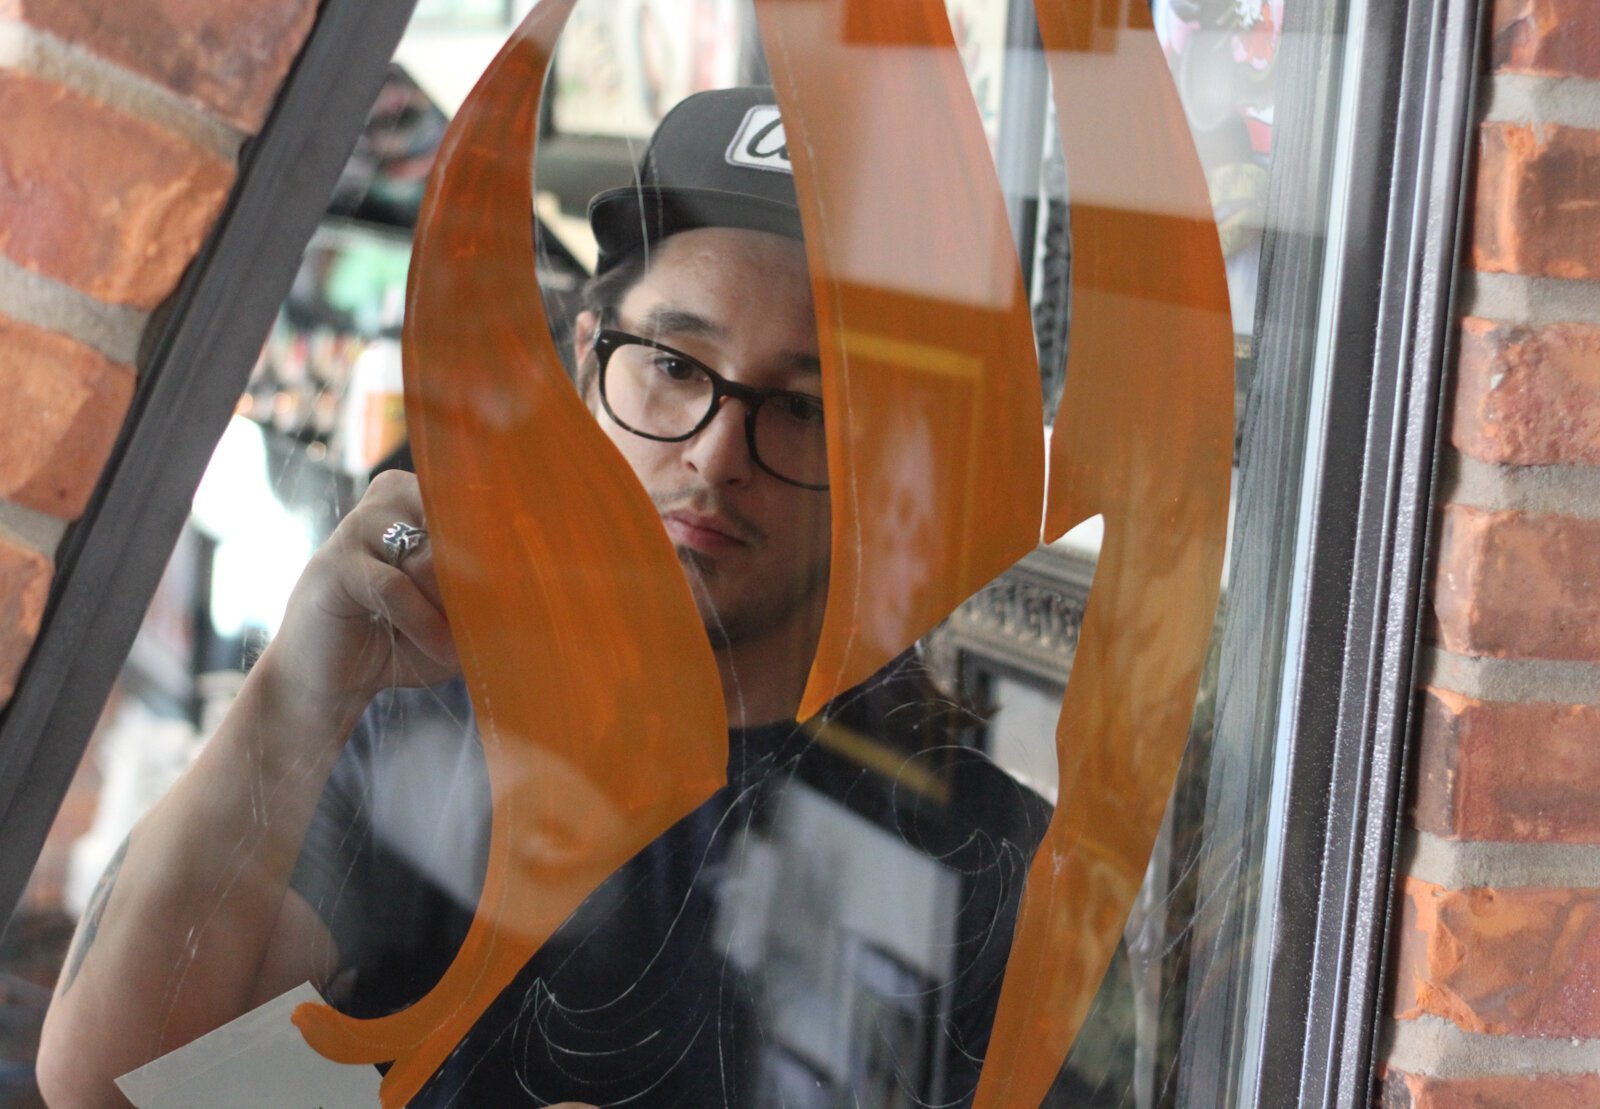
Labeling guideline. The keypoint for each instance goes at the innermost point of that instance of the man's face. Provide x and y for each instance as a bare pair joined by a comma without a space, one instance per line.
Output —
755,548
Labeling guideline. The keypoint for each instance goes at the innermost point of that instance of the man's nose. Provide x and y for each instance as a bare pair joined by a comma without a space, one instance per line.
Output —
719,452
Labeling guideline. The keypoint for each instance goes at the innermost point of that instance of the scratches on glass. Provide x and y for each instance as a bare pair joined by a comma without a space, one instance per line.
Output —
1144,438
599,707
937,467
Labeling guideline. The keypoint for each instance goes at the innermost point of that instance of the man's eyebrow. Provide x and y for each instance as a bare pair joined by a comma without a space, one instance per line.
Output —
666,320
669,321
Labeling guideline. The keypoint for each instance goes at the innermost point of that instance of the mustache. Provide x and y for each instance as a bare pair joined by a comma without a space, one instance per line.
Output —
707,502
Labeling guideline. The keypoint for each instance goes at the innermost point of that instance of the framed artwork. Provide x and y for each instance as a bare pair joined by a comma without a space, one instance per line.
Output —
623,63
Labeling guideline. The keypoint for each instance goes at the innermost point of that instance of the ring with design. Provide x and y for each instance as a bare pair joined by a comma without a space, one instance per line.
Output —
400,539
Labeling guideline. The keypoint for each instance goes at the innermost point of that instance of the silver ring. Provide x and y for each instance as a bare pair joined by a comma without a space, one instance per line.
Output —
400,539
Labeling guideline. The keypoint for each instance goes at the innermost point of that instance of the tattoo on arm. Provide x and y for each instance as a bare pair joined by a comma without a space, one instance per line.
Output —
90,926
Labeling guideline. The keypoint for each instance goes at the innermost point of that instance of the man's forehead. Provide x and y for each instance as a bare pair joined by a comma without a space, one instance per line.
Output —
725,275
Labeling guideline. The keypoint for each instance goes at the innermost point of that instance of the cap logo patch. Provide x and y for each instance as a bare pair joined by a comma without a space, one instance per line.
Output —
760,143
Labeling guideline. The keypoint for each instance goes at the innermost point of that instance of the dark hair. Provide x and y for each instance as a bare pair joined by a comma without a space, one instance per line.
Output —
602,294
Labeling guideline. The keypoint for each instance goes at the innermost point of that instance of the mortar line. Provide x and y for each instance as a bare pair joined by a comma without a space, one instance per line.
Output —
1482,864
49,58
1527,99
1433,1047
30,528
1559,490
1516,298
1516,681
112,329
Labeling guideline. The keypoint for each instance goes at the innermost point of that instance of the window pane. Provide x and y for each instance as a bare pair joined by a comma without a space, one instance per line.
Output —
711,787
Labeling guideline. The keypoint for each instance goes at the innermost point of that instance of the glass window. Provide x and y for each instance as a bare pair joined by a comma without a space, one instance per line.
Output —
799,590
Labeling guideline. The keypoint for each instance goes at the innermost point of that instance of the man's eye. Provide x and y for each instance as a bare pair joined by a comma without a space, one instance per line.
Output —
799,407
677,369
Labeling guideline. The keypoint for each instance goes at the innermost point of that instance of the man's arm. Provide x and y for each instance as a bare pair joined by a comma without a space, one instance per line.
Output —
194,923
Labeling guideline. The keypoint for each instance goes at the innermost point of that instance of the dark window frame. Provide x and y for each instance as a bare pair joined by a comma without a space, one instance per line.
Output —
1313,1012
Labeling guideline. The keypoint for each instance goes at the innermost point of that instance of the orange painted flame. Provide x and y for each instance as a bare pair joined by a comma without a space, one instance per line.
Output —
1144,438
586,660
937,471
596,692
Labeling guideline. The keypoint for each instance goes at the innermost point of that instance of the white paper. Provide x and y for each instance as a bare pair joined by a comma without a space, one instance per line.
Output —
259,1059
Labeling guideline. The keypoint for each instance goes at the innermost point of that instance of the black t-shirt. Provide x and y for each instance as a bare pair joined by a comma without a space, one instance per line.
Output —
830,928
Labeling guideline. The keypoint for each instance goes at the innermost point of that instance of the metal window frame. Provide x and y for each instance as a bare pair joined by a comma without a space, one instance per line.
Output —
1366,526
197,357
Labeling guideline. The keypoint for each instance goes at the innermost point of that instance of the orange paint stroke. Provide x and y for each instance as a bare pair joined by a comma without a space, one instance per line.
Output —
1144,438
596,692
937,463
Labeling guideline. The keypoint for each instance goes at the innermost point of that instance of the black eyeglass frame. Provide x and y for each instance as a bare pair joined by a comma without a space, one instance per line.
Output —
608,340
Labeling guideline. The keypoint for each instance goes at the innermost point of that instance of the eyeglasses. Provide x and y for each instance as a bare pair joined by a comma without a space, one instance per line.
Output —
663,394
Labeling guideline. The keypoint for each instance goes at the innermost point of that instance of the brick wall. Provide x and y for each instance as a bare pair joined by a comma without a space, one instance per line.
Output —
121,123
1496,985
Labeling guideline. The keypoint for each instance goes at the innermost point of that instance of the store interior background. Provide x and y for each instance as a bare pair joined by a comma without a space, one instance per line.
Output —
324,407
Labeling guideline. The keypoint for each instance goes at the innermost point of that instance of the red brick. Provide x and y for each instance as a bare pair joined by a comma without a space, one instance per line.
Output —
1522,962
1519,585
1510,772
226,56
1544,1091
65,405
24,587
1528,396
1535,206
97,199
1550,37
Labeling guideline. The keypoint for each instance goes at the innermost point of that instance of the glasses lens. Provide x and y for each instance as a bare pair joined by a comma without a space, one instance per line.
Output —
655,391
791,438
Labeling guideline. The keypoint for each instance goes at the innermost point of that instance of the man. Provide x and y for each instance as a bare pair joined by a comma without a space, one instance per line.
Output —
833,924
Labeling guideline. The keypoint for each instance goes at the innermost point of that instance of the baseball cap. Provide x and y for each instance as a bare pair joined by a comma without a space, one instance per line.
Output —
717,159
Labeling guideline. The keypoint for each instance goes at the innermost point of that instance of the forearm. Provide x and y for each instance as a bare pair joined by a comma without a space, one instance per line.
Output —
172,943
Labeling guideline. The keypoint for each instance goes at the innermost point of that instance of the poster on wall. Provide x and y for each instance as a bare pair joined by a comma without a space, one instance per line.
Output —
623,63
1223,55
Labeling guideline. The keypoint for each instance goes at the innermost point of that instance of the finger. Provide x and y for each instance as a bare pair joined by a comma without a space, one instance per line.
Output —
395,490
419,566
416,563
394,596
394,497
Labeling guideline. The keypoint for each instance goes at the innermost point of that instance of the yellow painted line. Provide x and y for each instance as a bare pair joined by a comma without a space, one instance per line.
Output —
926,357
892,763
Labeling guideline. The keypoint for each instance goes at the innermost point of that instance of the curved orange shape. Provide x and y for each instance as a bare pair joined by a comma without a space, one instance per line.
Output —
1144,438
596,692
937,464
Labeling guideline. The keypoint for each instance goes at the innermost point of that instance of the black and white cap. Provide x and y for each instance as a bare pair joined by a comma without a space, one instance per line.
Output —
717,159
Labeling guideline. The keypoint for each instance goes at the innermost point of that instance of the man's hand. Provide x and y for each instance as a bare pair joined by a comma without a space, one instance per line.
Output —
355,622
202,926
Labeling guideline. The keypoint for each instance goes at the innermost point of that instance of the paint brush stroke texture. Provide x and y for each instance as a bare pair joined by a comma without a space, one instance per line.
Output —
573,616
937,468
1144,438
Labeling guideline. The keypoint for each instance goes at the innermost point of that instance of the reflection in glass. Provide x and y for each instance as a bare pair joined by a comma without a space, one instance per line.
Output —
831,925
